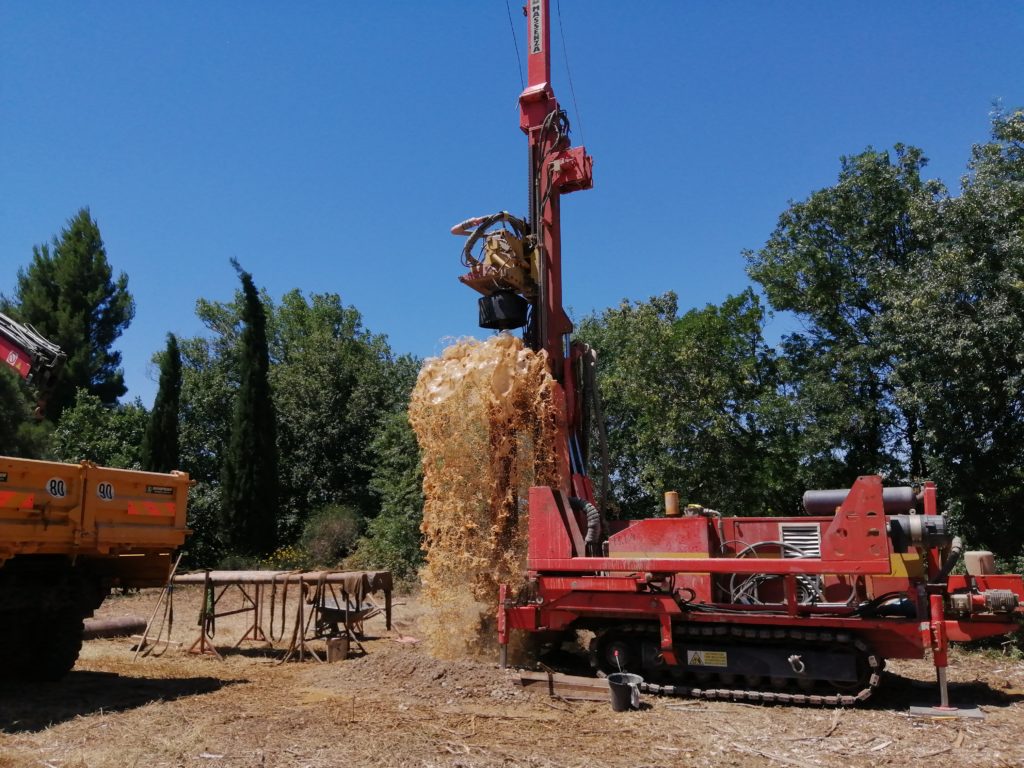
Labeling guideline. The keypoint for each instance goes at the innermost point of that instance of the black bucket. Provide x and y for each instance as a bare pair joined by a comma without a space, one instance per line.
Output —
625,690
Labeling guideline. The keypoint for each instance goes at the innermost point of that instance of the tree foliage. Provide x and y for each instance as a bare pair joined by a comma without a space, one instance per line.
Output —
393,540
333,382
249,472
692,404
17,436
13,411
831,261
160,443
957,324
68,292
330,534
109,435
910,361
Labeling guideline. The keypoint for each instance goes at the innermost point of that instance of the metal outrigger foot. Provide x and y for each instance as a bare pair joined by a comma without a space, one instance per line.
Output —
951,713
945,710
935,631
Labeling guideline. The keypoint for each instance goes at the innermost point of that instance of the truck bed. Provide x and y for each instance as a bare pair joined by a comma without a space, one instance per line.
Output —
125,522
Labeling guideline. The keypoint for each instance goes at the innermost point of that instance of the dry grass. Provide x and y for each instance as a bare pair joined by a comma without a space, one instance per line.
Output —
398,706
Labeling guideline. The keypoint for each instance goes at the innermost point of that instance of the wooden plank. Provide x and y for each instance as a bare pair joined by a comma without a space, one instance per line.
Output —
572,687
558,677
281,578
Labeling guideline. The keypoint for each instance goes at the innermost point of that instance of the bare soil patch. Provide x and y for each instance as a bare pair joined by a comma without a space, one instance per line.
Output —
398,706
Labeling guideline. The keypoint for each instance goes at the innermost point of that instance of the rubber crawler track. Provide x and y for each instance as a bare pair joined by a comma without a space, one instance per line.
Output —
802,638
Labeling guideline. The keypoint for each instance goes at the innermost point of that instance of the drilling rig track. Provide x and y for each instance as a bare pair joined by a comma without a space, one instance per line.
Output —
734,636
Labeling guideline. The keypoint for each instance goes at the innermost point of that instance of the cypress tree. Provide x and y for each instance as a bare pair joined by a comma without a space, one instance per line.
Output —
160,443
250,493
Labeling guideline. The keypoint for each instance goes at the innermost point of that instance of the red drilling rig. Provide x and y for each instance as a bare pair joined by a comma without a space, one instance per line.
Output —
799,610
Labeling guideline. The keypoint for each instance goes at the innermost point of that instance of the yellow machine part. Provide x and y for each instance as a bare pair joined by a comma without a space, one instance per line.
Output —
907,565
503,254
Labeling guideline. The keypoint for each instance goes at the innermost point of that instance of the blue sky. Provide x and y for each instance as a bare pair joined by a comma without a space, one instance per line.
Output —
329,146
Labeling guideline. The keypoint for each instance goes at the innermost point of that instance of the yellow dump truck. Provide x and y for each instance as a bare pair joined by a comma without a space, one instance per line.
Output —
68,534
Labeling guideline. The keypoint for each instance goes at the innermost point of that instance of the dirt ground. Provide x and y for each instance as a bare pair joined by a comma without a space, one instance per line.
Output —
396,706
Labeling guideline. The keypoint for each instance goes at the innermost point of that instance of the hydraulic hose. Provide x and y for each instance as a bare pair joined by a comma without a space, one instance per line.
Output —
593,536
956,550
476,227
590,383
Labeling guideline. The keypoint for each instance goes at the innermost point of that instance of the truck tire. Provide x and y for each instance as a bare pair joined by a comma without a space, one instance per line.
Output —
41,610
41,647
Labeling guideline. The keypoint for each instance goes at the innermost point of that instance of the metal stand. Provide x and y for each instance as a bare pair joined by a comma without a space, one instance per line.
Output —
330,604
255,631
207,622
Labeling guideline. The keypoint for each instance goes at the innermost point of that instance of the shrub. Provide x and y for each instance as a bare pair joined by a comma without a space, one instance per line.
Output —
239,562
392,542
286,558
330,534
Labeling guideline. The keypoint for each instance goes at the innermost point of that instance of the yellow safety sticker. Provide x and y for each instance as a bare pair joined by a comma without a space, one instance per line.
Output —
707,658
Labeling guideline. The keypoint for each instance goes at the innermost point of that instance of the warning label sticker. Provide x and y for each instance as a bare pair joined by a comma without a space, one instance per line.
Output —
3,477
707,658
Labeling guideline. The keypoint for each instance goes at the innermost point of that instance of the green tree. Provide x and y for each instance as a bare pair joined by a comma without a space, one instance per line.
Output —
109,435
693,403
393,538
14,417
333,383
957,321
160,443
208,385
831,261
207,546
203,432
69,294
330,534
250,479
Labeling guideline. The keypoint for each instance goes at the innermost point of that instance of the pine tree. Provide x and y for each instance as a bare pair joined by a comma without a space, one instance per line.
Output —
250,480
69,294
14,413
160,444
